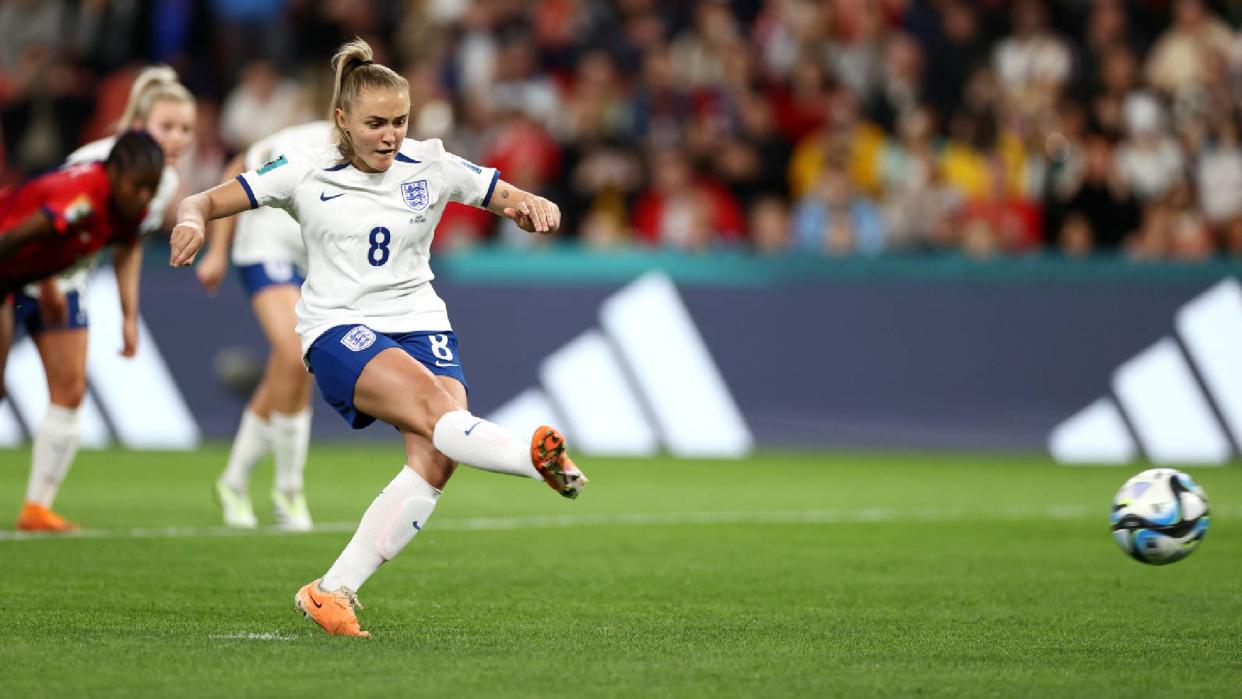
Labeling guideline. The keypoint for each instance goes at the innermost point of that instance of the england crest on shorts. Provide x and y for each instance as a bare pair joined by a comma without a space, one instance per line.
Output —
358,338
416,195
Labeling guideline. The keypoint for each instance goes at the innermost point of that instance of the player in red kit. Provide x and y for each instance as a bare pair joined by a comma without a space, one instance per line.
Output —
64,217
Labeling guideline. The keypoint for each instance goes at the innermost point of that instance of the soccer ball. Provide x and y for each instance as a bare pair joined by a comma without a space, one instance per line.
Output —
1160,516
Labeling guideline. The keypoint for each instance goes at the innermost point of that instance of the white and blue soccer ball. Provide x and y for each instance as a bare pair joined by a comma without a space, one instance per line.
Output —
1160,516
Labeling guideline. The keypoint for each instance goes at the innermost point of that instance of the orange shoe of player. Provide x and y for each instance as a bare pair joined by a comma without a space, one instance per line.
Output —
547,453
333,611
37,518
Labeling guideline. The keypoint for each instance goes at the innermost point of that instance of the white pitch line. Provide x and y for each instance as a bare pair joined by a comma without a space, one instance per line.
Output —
634,519
265,636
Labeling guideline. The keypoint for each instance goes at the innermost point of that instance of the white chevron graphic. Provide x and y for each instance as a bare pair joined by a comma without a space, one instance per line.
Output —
138,395
643,380
1157,392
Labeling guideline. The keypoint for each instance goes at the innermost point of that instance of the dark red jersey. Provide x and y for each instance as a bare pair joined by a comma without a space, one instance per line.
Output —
76,199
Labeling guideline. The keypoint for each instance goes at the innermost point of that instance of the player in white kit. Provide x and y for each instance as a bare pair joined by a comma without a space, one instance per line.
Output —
267,249
374,333
159,104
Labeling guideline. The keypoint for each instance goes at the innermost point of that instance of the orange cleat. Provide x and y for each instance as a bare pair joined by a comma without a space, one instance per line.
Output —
333,611
37,518
547,453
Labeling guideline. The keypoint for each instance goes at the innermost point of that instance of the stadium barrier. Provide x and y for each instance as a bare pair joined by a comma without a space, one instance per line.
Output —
1097,360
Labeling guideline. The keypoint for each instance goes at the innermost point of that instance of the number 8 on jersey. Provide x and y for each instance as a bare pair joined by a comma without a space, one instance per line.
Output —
377,255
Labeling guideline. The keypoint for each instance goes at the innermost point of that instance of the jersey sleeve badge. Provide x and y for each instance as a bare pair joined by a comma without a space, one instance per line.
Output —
79,209
468,165
272,165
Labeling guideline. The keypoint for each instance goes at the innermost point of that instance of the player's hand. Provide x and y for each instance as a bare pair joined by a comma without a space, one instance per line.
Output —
185,241
535,215
129,335
211,270
53,305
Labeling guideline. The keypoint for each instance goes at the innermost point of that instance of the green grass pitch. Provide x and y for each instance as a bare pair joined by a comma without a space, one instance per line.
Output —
784,575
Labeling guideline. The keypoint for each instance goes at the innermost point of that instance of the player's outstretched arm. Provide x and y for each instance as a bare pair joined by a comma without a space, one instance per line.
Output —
36,226
219,201
214,266
530,212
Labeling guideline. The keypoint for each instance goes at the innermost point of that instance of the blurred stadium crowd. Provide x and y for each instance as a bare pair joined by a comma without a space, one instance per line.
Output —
835,127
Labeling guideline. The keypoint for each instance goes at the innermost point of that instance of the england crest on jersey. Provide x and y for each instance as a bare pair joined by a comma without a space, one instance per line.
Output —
415,194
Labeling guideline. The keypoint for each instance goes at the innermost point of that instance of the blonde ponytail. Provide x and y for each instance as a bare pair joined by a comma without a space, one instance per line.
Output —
354,72
153,84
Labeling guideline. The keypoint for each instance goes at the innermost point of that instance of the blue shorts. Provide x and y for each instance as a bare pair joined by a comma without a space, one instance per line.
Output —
337,357
26,314
259,276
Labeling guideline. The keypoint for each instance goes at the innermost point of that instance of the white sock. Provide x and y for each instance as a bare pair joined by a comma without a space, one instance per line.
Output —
473,441
251,443
396,515
55,445
290,437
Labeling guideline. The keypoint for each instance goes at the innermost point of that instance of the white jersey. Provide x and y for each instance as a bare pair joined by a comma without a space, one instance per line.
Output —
74,278
368,235
268,234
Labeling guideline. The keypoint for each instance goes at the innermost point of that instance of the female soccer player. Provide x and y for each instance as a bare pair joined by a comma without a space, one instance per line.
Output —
270,256
161,106
56,220
374,333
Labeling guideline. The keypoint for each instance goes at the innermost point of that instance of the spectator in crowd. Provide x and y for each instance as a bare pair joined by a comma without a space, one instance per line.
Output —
899,88
1118,79
1108,30
30,26
1181,57
699,55
1171,229
1076,239
919,208
1033,62
1191,238
263,103
1001,221
1097,196
846,134
770,226
685,210
1218,173
835,220
1232,235
752,161
957,51
45,111
1150,160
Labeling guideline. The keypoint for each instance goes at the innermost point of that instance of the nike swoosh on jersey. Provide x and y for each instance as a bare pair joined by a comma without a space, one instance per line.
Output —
323,196
444,364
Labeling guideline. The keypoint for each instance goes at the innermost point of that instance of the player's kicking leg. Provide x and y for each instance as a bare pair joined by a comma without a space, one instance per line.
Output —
439,432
